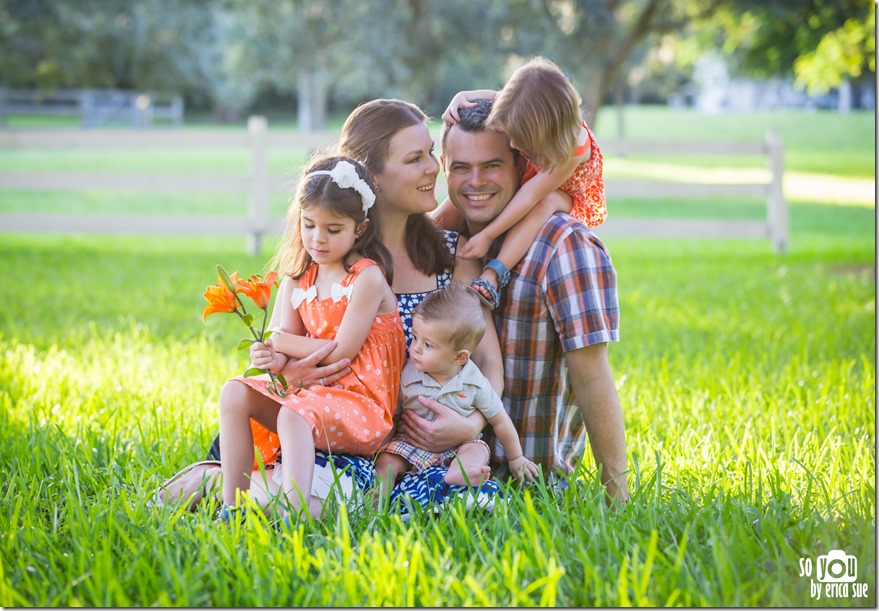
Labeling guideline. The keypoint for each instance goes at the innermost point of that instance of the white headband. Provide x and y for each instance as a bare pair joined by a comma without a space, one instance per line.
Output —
345,175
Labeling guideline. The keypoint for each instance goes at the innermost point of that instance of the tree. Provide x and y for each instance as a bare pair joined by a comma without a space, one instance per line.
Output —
593,40
819,42
158,45
844,53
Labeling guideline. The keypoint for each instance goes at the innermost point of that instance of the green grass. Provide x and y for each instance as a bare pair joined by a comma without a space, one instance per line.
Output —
747,381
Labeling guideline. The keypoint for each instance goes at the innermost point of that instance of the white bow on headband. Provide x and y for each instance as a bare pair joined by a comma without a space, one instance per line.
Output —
345,175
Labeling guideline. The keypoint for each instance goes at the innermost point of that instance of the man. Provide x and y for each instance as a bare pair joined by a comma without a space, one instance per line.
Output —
556,316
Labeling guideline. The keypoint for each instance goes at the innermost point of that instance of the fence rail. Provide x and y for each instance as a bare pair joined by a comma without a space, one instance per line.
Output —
257,185
775,227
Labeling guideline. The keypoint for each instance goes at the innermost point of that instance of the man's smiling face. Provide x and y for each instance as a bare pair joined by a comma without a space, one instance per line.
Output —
481,174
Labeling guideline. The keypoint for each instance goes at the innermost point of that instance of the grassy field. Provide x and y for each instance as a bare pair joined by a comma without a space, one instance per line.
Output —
747,381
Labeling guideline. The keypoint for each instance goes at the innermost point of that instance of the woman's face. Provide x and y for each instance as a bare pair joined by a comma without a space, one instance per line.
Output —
409,177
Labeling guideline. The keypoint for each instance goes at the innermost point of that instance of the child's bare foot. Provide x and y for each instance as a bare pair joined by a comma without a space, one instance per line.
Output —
470,476
192,483
487,290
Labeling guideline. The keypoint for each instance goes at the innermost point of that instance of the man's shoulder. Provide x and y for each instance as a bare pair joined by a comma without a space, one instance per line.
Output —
560,227
561,221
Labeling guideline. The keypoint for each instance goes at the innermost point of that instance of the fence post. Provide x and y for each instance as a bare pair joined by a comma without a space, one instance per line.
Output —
259,194
776,206
177,110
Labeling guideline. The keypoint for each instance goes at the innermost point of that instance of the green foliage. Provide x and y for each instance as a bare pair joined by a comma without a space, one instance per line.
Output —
821,42
228,55
747,382
844,53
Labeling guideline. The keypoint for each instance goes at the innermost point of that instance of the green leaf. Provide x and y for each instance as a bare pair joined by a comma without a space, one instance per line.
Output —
254,371
248,319
245,343
281,379
267,335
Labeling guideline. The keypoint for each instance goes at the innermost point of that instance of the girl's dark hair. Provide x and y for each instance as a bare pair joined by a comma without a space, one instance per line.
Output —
367,136
321,191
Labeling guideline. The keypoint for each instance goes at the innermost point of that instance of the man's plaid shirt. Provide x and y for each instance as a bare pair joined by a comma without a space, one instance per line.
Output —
561,297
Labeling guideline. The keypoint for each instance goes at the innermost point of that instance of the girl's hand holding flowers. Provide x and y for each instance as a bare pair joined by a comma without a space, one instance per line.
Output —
263,356
223,297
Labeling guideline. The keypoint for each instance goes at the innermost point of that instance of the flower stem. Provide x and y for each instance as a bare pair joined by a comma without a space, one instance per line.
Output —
252,330
259,338
265,315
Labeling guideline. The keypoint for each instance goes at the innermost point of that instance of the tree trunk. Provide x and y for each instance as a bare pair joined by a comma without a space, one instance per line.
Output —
311,90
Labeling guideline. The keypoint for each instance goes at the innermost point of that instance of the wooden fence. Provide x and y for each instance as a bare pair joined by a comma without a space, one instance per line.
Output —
775,227
256,186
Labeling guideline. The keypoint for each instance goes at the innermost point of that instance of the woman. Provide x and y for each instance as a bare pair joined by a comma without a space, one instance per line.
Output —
392,139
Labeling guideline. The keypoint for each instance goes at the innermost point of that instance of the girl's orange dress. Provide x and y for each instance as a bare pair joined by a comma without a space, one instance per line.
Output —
585,185
356,418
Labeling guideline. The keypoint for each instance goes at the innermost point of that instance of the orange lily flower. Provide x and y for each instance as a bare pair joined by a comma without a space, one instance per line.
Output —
220,299
259,291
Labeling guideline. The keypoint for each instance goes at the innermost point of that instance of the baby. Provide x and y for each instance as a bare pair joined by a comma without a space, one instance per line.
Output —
446,327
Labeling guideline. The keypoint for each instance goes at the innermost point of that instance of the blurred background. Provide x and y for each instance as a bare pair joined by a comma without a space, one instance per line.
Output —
310,62
739,146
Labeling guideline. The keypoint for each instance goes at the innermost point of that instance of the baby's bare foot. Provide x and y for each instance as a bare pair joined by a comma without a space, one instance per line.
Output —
471,476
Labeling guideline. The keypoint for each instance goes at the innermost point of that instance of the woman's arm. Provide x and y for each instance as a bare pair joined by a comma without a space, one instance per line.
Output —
487,355
308,371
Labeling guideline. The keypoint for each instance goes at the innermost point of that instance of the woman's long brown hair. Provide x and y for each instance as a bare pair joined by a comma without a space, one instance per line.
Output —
367,136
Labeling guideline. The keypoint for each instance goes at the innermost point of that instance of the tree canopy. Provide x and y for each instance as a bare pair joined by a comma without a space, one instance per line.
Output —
224,54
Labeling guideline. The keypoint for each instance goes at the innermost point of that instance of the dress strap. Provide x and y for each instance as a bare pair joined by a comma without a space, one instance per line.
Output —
581,150
306,280
356,269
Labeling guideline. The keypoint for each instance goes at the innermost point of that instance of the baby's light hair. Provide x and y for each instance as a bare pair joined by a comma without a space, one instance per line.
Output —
458,309
540,111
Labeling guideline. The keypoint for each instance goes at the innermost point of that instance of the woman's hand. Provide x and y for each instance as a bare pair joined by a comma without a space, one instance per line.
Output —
307,372
449,430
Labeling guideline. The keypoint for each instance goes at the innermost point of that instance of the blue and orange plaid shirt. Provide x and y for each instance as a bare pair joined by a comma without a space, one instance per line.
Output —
562,296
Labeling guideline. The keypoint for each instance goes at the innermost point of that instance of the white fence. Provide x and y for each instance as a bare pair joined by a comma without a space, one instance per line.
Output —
775,227
255,222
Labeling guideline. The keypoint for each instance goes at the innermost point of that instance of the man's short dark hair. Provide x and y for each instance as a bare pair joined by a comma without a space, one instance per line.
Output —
470,118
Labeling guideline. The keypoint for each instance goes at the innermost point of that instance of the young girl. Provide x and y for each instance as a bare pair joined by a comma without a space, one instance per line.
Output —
332,248
539,110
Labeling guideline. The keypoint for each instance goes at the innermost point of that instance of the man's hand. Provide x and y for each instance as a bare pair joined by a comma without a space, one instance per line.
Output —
448,430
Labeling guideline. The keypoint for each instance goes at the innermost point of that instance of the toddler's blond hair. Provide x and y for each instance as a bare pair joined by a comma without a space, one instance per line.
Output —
539,110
